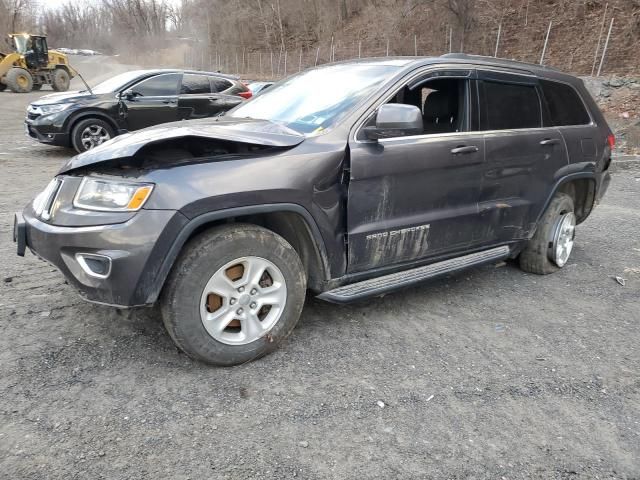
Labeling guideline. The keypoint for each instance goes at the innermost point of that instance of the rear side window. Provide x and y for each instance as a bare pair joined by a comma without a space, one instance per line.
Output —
565,106
158,86
509,105
219,84
194,84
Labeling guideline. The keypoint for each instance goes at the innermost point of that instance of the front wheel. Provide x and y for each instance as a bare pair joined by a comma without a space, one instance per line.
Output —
233,295
90,133
19,80
552,244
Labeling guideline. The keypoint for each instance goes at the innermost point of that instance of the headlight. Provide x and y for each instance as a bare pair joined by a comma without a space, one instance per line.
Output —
113,196
49,109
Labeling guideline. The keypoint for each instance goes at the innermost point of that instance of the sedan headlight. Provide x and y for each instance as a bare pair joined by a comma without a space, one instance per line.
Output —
113,196
49,109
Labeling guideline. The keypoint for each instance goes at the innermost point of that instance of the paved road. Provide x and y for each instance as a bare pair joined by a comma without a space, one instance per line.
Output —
489,374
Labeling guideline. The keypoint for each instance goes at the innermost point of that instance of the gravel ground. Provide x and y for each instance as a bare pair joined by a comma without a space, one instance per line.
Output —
489,374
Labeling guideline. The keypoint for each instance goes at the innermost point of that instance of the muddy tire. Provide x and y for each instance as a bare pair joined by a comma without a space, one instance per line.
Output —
3,87
19,80
89,133
234,294
61,80
539,256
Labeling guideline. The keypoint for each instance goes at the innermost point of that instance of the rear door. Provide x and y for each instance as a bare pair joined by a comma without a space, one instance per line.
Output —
154,101
522,156
224,95
416,197
568,113
195,97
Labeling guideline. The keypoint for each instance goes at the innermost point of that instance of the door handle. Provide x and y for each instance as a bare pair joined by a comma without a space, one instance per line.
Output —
464,149
549,141
169,101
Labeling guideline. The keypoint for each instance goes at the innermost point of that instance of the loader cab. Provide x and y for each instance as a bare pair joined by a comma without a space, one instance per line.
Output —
33,47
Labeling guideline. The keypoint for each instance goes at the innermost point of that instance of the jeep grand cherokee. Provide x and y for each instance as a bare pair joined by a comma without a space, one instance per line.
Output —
348,180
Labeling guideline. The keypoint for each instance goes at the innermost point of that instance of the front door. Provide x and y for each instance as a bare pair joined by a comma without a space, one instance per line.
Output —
152,101
416,197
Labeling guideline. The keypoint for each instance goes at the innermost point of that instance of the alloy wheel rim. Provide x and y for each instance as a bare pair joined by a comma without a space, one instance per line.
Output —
22,81
94,135
243,300
563,239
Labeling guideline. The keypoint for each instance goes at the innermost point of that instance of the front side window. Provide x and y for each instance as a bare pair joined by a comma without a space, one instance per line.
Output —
195,84
510,106
565,106
158,86
315,100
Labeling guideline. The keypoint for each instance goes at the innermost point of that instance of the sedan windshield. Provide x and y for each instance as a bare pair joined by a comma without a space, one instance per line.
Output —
115,84
315,100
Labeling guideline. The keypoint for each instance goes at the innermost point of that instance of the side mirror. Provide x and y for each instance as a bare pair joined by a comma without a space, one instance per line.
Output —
128,94
395,120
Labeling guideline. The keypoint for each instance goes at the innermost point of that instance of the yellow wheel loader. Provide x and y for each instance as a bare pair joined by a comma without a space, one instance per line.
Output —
32,65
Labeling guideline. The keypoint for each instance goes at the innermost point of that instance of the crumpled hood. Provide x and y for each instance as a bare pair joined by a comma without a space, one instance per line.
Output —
243,130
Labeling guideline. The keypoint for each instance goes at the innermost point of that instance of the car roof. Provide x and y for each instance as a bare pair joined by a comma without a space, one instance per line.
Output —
156,71
463,58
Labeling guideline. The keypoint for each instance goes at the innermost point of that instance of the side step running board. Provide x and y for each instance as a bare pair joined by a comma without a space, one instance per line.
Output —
394,281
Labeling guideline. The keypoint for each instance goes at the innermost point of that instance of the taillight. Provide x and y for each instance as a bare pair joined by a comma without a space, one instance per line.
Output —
246,94
611,140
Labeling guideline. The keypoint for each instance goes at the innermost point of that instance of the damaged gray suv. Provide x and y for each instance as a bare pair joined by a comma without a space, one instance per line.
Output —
349,181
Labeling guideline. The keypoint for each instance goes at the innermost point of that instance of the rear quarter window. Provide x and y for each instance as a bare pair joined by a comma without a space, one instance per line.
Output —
219,84
564,103
510,106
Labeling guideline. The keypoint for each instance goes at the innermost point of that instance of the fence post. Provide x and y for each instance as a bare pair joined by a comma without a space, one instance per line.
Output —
237,66
546,40
331,50
604,50
285,63
415,45
272,74
595,57
317,54
387,47
450,39
300,61
495,54
260,62
359,48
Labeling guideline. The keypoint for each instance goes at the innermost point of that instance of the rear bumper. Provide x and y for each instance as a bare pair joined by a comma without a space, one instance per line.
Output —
131,252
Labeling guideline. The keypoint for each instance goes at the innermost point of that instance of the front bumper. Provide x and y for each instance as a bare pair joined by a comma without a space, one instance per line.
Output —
135,251
47,131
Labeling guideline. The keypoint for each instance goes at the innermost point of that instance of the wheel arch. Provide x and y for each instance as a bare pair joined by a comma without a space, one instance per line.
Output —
291,221
581,187
84,115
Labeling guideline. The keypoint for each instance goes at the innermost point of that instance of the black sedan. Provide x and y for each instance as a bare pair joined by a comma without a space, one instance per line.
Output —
130,101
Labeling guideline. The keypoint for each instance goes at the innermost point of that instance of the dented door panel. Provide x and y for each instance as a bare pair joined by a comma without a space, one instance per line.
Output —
412,198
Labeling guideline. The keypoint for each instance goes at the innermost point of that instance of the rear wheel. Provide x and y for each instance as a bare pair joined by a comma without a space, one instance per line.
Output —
234,294
61,80
19,80
90,133
3,87
552,244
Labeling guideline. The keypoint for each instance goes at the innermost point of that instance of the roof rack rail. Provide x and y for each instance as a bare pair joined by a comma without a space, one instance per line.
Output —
501,61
